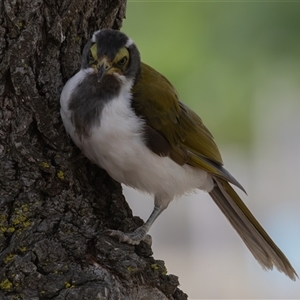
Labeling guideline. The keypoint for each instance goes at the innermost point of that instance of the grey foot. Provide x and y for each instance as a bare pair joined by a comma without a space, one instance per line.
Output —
132,238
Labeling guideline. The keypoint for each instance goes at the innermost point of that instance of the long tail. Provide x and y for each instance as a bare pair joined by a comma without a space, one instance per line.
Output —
254,236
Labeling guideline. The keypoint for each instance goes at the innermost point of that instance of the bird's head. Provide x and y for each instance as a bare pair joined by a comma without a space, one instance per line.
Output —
112,55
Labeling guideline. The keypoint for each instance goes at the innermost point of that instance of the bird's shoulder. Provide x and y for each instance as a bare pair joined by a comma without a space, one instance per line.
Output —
156,101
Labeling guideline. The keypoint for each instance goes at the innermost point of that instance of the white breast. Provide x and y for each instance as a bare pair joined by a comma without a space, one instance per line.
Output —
117,146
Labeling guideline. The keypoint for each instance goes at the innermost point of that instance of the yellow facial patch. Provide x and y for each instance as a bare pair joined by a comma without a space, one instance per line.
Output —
93,50
123,52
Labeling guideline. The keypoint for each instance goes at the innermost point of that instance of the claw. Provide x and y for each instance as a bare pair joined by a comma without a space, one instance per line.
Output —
132,238
140,234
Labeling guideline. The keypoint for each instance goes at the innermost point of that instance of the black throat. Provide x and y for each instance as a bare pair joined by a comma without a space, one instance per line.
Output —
88,99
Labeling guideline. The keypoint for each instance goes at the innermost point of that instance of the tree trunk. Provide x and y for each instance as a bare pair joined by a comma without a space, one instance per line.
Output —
55,204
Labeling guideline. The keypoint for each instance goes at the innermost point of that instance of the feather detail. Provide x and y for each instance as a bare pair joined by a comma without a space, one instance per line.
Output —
254,236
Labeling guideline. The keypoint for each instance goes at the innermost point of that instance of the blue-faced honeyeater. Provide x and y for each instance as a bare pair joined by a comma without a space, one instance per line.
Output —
127,118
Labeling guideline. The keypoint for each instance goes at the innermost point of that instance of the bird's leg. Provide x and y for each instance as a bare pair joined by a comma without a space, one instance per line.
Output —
140,234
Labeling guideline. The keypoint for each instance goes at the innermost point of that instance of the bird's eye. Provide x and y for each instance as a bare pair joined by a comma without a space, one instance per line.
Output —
122,61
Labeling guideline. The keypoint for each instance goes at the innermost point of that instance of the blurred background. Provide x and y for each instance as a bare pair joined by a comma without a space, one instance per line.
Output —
238,66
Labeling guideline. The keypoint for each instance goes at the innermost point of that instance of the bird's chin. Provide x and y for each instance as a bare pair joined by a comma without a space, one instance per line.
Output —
113,77
107,78
116,81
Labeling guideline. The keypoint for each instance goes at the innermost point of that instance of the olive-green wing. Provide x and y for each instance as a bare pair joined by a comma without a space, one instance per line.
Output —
156,101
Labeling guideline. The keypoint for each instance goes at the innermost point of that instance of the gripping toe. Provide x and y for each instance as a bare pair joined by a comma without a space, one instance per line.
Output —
132,238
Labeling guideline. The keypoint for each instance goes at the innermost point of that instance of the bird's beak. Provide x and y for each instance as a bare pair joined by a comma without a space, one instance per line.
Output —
103,67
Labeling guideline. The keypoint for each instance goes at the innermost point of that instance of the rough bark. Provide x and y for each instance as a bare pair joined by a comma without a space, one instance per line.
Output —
54,204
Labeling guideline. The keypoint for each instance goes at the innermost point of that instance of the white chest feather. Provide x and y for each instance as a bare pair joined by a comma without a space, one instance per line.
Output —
117,146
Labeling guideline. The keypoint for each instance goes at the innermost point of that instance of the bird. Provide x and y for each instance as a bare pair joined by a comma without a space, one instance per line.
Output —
127,118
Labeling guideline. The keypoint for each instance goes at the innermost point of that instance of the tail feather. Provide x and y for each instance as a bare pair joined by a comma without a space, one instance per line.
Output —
254,236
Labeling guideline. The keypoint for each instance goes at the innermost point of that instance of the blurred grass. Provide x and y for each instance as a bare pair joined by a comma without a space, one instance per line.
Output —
216,54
